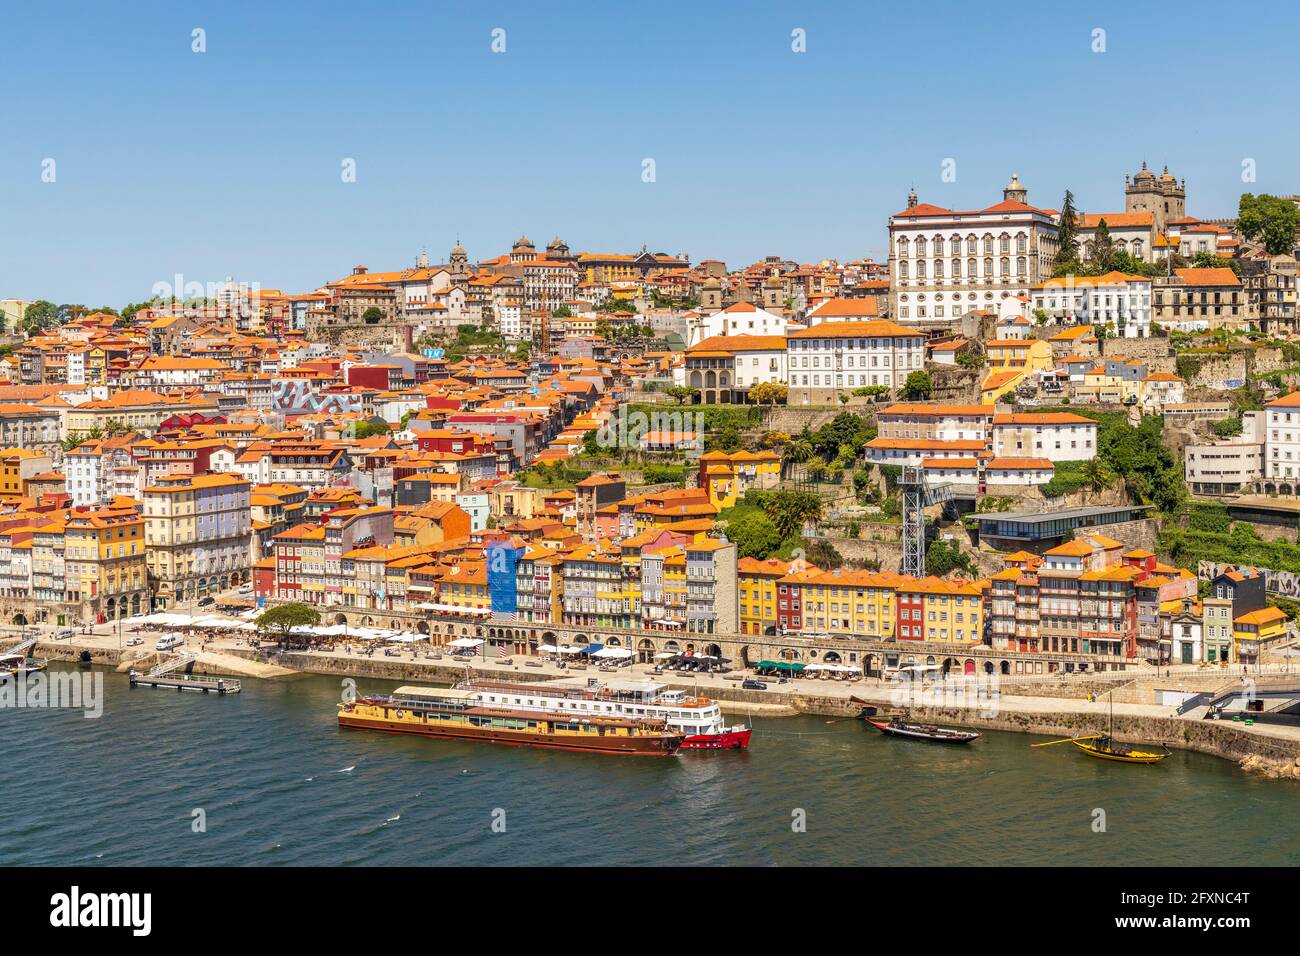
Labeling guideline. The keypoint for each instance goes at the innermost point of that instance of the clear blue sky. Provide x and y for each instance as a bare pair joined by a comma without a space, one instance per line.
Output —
228,162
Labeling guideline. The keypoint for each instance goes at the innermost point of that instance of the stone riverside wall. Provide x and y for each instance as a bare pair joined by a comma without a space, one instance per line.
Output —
1271,756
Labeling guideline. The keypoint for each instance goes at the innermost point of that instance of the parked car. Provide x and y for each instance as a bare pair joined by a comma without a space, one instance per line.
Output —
134,641
754,685
204,602
64,633
245,589
168,641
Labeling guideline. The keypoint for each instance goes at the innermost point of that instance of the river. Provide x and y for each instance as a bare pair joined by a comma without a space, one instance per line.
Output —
278,783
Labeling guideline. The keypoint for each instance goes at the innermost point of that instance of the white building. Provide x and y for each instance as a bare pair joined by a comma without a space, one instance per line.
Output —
944,263
1117,300
1005,473
1059,436
836,357
1282,440
842,310
1130,232
732,364
742,318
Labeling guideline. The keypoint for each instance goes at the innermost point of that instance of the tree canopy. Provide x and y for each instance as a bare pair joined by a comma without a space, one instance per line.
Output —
1271,220
284,617
754,534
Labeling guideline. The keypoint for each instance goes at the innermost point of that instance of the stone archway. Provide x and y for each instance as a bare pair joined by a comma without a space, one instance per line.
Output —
713,650
831,657
422,627
1005,667
988,667
20,620
341,619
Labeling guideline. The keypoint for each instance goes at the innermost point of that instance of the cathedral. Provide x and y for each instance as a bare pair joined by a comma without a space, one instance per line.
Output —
1163,196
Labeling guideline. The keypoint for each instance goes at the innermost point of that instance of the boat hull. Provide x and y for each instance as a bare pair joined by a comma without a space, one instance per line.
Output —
726,740
952,737
1136,756
659,746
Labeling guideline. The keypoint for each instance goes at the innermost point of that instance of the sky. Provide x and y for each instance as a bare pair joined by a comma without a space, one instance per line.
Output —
230,162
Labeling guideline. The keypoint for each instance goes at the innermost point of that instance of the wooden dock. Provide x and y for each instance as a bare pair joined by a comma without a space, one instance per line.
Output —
165,677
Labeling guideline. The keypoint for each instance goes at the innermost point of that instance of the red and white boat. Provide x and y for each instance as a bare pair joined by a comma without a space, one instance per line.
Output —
698,719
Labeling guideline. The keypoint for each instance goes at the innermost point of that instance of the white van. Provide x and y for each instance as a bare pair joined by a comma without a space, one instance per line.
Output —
168,641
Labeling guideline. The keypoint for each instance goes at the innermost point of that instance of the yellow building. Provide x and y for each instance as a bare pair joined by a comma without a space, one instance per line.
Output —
105,568
1027,355
1251,630
727,477
998,382
17,466
859,603
757,585
951,611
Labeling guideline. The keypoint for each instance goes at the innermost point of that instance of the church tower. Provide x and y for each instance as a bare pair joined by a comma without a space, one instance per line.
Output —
458,265
1015,191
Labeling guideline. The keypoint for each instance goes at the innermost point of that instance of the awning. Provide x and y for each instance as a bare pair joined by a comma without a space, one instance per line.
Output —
781,665
613,653
466,642
548,649
590,648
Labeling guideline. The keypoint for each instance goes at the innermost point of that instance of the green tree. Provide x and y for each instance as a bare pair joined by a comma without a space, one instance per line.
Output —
282,619
820,553
945,557
1067,236
754,533
41,314
372,315
1096,474
681,393
1101,249
918,386
1271,220
790,510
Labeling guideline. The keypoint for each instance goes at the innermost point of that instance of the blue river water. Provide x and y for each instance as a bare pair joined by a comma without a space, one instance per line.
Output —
276,782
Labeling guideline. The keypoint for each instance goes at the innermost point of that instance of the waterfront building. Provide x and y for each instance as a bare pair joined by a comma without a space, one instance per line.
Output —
105,567
196,535
757,582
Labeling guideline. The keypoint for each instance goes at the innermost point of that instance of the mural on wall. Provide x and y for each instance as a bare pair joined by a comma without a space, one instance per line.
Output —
296,397
1283,583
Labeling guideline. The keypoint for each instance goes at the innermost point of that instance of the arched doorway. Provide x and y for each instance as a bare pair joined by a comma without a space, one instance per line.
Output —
645,651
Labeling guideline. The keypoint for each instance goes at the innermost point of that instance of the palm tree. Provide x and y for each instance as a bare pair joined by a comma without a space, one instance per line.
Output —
796,452
1096,474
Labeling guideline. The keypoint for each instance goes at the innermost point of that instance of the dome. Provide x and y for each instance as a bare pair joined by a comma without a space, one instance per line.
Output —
1143,174
1165,177
1015,186
523,241
458,249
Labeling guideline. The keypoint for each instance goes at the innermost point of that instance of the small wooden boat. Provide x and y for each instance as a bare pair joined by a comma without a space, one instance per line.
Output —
1105,748
897,727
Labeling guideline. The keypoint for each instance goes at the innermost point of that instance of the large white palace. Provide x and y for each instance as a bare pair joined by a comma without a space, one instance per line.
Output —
945,263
